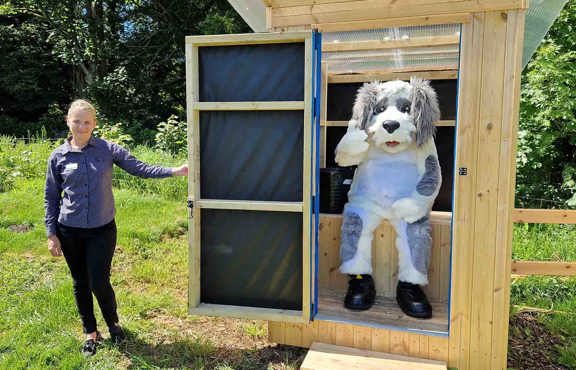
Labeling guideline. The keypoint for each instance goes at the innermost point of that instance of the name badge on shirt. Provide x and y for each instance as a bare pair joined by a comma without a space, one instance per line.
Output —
71,166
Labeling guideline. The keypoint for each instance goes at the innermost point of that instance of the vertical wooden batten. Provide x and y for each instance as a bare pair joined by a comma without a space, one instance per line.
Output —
507,184
306,193
193,118
487,122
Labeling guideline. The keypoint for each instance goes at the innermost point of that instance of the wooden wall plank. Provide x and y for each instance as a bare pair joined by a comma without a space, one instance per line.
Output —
464,204
293,334
289,3
252,205
459,18
488,164
276,331
361,76
378,9
247,38
360,337
551,268
438,348
506,187
249,105
326,331
544,216
244,312
380,340
344,335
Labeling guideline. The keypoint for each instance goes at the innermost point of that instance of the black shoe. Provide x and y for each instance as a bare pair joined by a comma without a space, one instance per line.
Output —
117,335
361,293
89,348
413,301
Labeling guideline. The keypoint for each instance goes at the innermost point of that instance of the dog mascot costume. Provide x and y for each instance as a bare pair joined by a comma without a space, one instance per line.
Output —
391,139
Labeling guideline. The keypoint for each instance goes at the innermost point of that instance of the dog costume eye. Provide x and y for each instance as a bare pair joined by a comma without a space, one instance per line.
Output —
405,109
379,109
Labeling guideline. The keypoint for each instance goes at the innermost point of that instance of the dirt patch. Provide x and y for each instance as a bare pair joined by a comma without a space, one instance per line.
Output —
233,341
20,228
531,346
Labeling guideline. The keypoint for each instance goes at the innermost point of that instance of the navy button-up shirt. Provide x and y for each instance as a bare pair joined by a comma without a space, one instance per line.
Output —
78,190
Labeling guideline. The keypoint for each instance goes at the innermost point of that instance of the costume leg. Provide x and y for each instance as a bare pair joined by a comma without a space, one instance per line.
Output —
414,244
358,226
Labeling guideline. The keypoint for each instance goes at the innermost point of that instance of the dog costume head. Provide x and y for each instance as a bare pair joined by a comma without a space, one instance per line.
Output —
397,114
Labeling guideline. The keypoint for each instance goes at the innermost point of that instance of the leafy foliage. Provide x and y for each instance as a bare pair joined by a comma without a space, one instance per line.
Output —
127,57
114,132
547,136
171,135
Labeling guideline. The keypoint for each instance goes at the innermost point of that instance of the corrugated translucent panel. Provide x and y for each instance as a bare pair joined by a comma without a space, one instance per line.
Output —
539,19
357,61
396,33
398,57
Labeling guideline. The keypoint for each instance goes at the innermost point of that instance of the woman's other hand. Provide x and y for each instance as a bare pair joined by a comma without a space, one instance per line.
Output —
180,171
54,246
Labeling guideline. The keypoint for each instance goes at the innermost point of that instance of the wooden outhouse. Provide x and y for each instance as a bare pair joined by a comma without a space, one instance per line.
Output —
265,111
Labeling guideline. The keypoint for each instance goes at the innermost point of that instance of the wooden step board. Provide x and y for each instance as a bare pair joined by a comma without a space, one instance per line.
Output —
322,356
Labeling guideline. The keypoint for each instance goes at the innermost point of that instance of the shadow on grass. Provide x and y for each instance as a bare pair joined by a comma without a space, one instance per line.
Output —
201,354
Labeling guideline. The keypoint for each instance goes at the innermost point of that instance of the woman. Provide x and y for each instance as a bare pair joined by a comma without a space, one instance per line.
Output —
80,215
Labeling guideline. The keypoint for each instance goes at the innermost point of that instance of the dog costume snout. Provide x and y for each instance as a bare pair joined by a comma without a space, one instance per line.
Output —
390,126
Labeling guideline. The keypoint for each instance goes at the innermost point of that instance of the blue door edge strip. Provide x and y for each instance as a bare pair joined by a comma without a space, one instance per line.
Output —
314,237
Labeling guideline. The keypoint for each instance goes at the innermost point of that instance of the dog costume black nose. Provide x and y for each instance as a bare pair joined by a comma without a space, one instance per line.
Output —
390,126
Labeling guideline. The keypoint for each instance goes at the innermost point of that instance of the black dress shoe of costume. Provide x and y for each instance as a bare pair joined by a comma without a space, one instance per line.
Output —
413,301
361,293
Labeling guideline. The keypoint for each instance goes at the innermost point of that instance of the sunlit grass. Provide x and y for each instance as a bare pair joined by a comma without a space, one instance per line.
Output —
39,325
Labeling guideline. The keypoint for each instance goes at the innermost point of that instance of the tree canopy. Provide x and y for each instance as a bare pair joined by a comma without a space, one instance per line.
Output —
126,56
546,165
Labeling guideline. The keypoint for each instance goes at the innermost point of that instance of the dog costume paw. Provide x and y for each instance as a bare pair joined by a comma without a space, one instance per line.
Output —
352,147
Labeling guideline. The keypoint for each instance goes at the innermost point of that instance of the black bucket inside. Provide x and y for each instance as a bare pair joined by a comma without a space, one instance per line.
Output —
334,186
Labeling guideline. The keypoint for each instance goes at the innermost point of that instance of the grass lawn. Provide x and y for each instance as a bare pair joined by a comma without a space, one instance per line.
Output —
39,325
40,328
551,300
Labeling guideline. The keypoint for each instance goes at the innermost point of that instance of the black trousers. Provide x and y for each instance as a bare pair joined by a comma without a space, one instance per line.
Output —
88,253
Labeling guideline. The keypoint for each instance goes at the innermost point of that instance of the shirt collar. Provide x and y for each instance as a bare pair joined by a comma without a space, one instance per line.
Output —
68,147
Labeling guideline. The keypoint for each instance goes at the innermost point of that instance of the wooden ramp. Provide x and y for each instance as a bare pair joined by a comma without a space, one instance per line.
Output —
323,356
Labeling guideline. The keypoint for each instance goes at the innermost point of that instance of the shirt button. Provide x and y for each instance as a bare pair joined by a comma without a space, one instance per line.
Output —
85,196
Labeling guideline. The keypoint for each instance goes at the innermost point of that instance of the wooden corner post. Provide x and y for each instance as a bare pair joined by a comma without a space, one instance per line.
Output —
490,67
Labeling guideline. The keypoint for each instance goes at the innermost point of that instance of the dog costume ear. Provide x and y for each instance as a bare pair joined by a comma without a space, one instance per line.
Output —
424,109
364,104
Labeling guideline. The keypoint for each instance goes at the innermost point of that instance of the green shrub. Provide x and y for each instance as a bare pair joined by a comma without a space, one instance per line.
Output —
171,136
21,159
115,133
170,188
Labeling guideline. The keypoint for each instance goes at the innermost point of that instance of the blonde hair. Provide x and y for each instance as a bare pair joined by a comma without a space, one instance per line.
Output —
81,104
